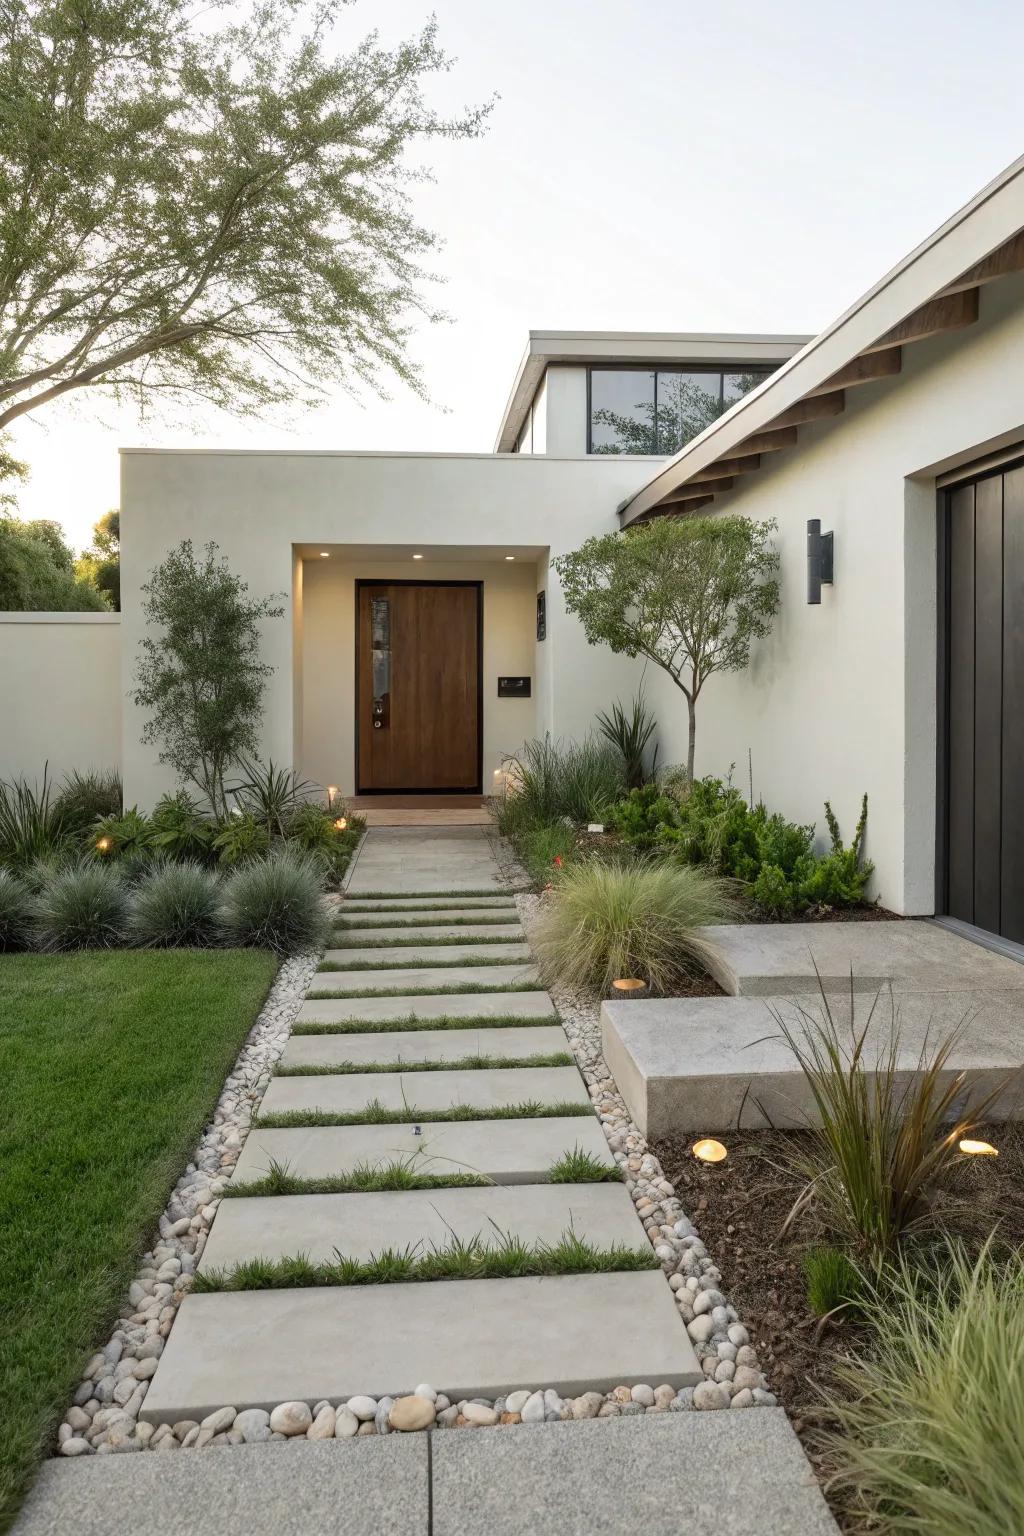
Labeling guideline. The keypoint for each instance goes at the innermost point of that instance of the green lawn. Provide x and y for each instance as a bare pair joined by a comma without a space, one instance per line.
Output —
110,1064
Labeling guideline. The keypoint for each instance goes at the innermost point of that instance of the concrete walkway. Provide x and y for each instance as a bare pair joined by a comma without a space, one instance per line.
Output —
428,939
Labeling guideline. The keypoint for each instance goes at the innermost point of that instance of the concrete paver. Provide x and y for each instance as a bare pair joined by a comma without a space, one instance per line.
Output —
415,952
467,1005
429,1045
425,976
465,933
492,1088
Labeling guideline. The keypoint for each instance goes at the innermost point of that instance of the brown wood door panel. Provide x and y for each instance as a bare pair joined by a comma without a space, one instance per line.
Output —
428,737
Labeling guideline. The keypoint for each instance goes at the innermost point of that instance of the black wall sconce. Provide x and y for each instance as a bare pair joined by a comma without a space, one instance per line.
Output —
819,559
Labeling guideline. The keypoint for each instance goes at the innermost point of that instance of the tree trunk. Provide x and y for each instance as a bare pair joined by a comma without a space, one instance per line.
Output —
692,709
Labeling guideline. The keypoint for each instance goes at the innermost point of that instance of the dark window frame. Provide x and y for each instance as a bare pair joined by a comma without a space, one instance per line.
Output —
695,367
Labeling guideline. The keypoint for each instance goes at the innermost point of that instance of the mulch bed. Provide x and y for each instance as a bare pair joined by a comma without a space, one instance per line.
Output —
740,1206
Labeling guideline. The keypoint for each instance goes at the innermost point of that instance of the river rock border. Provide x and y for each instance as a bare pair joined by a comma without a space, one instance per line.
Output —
104,1415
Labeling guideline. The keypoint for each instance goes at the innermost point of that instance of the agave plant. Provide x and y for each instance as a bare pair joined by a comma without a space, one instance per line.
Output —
631,736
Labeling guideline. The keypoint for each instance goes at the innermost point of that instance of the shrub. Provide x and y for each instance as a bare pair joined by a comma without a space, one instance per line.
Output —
81,908
85,797
839,879
276,904
126,835
645,815
644,920
175,906
887,1136
271,795
930,1419
239,839
179,829
31,825
15,925
550,780
630,735
833,1280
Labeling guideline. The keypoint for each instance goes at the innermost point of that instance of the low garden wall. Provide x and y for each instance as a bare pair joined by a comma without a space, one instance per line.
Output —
60,692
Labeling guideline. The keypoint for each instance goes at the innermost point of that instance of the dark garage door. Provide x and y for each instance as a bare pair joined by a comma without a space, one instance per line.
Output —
984,697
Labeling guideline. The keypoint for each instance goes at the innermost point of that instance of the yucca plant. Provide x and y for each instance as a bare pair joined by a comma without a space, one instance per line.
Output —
81,908
645,920
276,903
32,825
175,906
15,924
930,1419
887,1135
630,735
271,795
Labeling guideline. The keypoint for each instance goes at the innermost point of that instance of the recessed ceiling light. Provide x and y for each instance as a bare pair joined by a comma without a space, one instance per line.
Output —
324,554
417,557
510,557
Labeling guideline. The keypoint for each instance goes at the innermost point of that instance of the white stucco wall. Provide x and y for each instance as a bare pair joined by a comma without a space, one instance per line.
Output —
60,693
367,508
841,698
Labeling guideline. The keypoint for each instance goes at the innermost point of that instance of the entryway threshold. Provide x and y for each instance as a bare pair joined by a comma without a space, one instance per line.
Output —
421,810
993,941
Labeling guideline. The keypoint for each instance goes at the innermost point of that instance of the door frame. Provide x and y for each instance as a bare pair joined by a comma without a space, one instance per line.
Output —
968,474
412,581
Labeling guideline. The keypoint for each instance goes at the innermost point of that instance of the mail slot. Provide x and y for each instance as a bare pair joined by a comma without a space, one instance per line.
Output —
513,687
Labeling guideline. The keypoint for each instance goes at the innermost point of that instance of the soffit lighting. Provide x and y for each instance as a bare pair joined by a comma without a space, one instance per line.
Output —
709,1151
510,557
325,554
417,557
978,1148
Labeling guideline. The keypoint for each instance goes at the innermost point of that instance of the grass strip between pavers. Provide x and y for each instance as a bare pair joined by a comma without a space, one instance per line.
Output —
492,891
391,920
452,989
486,908
415,1021
477,1063
460,1259
411,964
405,941
573,1167
375,1114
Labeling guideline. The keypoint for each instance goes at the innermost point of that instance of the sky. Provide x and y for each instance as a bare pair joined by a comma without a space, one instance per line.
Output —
650,165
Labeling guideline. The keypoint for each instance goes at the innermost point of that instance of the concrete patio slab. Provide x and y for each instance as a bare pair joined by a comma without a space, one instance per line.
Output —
492,976
765,959
416,953
360,1225
489,1089
327,1487
737,1474
469,1005
706,1063
508,1151
465,933
468,1338
417,859
423,1045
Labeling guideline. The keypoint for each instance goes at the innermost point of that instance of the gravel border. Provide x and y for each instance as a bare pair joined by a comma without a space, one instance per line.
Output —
103,1417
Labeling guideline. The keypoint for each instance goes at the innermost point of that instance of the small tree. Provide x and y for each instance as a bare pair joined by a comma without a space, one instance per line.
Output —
688,593
199,670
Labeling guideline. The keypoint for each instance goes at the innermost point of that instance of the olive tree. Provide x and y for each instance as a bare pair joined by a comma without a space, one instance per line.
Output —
688,593
200,673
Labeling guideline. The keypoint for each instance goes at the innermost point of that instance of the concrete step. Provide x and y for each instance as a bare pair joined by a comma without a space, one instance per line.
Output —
304,1051
424,978
414,953
507,1151
426,905
361,1225
469,1006
699,1064
465,933
484,914
491,1089
468,1338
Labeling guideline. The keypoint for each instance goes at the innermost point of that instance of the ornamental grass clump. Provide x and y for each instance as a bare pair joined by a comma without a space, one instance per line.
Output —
929,1437
275,904
15,926
641,920
85,907
175,907
888,1129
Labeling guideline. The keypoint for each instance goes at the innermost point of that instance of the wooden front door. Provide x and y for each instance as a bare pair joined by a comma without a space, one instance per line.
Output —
418,678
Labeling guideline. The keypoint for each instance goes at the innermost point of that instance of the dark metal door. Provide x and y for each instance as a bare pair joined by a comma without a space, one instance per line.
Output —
984,702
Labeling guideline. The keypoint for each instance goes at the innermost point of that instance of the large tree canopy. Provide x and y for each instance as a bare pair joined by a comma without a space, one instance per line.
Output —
689,593
193,204
37,571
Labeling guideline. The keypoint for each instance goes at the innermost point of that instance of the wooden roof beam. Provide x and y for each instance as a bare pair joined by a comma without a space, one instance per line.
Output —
1005,260
814,408
862,370
698,488
724,469
681,509
769,441
946,313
